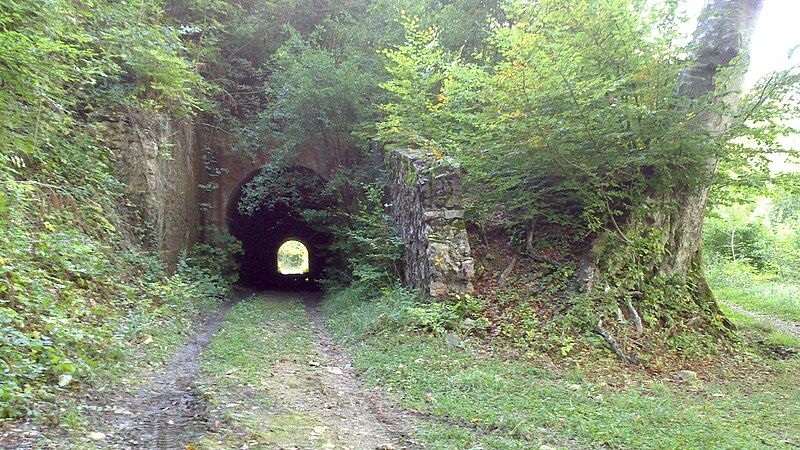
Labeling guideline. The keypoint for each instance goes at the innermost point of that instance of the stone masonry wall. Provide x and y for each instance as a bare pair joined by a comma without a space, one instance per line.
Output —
156,159
427,211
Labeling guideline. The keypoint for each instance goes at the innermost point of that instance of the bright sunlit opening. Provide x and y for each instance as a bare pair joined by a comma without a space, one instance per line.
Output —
293,258
775,36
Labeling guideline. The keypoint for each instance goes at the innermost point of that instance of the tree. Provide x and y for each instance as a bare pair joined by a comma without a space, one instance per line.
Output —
717,65
590,131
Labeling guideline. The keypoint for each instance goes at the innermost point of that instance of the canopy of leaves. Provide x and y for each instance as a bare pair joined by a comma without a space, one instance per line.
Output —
575,120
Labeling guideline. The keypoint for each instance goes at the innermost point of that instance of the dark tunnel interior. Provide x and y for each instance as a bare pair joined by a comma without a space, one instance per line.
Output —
264,231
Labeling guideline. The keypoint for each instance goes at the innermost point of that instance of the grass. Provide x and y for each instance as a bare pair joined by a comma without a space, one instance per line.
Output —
737,284
765,331
479,401
254,365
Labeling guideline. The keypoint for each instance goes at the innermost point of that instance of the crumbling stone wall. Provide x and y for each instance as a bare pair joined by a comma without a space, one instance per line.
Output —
427,211
155,157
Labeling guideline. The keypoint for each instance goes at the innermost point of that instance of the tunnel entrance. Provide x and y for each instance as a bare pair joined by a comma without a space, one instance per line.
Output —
278,214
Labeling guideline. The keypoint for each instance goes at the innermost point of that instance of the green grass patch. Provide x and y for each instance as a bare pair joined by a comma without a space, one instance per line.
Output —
481,401
740,285
254,366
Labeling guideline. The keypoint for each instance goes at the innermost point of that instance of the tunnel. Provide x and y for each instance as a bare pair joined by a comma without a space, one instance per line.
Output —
279,219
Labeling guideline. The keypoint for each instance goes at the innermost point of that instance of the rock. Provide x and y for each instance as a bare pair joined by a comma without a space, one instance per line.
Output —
334,370
97,436
64,380
452,339
467,325
386,446
686,375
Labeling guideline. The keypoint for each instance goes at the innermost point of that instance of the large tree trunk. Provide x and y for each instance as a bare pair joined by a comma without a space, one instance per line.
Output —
723,33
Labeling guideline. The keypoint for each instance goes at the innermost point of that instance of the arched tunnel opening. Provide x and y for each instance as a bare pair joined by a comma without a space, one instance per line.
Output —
271,209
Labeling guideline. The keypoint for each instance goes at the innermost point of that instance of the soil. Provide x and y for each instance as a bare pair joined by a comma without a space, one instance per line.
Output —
168,411
362,416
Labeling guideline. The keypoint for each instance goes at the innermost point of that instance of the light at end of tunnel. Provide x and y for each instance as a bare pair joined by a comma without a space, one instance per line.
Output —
293,258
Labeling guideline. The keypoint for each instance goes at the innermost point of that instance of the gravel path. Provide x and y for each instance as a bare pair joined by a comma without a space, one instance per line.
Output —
362,416
786,326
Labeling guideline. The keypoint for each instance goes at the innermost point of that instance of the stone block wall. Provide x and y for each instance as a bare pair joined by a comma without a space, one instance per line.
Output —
156,158
427,210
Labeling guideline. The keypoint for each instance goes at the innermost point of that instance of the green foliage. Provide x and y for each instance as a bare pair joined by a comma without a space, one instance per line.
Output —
566,127
760,233
72,299
369,242
576,121
396,310
75,293
305,76
316,96
275,184
68,61
217,254
763,292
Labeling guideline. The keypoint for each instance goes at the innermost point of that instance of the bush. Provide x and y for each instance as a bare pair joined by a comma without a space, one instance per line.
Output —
370,243
395,309
751,242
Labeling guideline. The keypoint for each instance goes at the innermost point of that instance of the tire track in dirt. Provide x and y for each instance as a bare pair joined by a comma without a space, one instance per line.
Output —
167,412
366,418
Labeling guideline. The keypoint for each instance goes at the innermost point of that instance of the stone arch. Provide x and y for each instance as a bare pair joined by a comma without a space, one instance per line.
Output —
265,230
227,170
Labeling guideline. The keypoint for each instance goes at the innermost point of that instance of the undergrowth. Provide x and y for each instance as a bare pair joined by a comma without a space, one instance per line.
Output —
74,297
471,398
539,305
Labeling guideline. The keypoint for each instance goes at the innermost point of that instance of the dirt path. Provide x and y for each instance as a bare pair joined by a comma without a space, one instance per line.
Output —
298,390
167,412
786,326
362,415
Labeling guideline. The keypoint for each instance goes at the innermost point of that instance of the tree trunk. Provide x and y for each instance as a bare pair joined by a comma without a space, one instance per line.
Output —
723,33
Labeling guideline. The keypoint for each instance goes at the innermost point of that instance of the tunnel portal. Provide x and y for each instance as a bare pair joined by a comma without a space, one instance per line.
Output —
277,221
